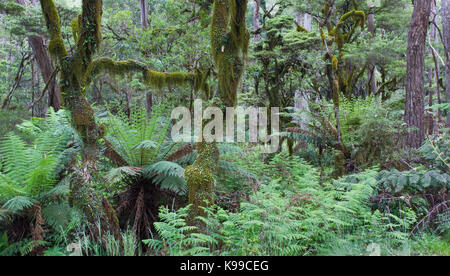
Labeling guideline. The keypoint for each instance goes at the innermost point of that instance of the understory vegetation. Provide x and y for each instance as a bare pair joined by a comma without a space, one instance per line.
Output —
89,165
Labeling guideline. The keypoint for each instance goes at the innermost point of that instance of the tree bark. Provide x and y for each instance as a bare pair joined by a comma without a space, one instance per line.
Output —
373,88
144,14
44,64
415,59
45,67
307,23
144,25
256,22
446,33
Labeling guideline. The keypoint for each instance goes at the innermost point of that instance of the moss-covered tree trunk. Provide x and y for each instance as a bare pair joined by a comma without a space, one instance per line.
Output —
76,72
229,46
71,83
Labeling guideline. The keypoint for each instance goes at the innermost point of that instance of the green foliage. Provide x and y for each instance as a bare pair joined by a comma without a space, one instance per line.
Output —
142,143
178,238
417,181
300,217
29,172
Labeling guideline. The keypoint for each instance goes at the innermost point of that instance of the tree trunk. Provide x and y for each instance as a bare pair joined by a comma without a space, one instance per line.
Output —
372,66
45,65
149,104
446,33
144,25
307,22
144,14
256,22
229,38
415,59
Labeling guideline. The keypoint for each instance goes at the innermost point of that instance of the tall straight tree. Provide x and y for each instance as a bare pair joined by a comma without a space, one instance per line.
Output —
144,25
256,21
44,64
415,59
372,66
144,14
446,31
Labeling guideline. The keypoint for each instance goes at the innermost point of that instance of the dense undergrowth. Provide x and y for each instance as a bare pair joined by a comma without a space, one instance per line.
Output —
280,204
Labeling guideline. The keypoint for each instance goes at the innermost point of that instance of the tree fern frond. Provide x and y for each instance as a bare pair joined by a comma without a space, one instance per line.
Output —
57,215
165,168
169,175
227,148
116,175
15,158
9,188
18,204
42,178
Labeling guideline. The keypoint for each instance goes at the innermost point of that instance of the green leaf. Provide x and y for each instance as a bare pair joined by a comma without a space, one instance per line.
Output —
426,180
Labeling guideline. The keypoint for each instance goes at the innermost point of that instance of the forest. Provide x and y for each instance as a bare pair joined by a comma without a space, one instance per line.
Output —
224,128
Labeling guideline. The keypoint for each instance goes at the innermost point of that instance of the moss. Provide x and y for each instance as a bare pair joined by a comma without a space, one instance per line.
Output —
334,63
75,24
238,10
339,165
229,44
200,178
356,15
56,45
161,80
300,28
151,78
56,48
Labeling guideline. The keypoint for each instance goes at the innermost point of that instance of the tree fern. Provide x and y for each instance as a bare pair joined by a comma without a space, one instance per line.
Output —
29,172
142,143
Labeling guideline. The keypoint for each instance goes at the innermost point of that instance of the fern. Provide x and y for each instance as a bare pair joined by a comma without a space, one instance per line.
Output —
142,143
29,172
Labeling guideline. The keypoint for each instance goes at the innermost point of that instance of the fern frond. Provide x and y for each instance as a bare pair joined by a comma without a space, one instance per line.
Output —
116,175
169,175
18,204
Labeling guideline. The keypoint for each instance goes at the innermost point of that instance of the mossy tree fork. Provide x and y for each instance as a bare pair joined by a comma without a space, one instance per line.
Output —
76,72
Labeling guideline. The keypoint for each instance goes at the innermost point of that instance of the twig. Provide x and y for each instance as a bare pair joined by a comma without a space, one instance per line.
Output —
52,77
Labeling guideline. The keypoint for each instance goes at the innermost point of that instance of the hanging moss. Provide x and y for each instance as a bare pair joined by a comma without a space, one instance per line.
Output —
161,80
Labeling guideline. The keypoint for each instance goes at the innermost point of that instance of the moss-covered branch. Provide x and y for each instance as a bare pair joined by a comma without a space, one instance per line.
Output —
150,77
56,46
